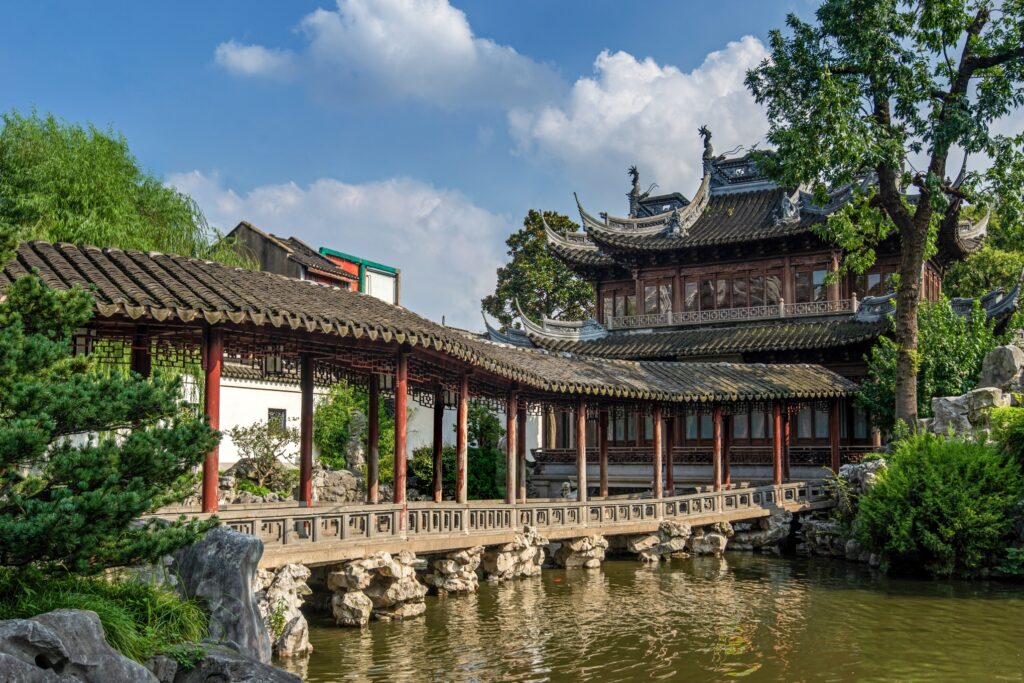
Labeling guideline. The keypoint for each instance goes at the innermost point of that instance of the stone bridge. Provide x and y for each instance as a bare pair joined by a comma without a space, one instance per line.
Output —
329,534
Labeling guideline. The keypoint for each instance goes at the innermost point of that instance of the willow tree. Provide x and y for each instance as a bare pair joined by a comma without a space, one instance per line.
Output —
898,92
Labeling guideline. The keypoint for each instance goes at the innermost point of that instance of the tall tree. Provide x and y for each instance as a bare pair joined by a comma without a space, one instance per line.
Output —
65,182
84,452
892,88
542,284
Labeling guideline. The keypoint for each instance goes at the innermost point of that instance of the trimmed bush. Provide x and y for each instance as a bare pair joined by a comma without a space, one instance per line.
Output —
942,506
486,467
1008,431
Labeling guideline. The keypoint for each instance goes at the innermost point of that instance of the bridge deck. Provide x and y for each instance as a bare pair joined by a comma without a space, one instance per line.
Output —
329,534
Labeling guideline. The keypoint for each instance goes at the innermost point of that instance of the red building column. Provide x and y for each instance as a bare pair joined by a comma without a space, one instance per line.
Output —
581,451
833,434
727,435
786,441
373,442
213,357
438,484
716,448
401,420
462,442
521,453
511,446
656,446
777,443
602,447
306,429
670,442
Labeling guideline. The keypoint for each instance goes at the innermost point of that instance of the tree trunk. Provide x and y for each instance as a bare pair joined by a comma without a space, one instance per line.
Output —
908,297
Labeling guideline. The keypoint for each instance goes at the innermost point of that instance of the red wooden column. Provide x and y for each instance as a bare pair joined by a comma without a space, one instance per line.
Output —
511,446
777,443
727,450
461,442
670,442
602,447
521,453
438,484
656,446
786,441
401,420
373,442
213,355
716,448
581,451
833,434
306,429
142,360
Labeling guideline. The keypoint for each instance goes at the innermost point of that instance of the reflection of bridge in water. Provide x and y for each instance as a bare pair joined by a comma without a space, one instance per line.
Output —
326,534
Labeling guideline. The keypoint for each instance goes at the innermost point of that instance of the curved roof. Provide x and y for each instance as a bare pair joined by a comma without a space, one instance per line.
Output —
159,288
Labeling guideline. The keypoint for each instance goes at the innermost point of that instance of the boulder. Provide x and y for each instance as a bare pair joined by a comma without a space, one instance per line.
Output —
862,475
710,540
336,486
523,557
222,664
824,537
586,552
63,645
764,533
1003,368
950,414
668,541
220,570
456,572
279,598
980,403
382,586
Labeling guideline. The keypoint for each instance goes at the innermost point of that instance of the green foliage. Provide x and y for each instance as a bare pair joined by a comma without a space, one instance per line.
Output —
483,427
998,263
263,446
252,487
486,471
65,182
276,621
542,284
1013,565
1007,426
78,509
139,620
335,419
951,349
942,506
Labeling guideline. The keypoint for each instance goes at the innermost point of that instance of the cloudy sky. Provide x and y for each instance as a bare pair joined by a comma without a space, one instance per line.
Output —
416,133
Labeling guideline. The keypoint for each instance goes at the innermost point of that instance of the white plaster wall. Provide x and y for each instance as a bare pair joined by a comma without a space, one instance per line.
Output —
421,428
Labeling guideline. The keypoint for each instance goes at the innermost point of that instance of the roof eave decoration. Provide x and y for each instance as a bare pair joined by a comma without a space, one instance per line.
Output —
969,236
511,337
571,240
577,330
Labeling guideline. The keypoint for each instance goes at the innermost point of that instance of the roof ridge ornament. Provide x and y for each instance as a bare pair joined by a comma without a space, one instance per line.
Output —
634,194
565,330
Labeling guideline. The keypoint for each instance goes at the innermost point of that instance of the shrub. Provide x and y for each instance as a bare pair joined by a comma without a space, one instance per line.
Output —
263,445
943,506
1008,431
486,469
139,620
335,424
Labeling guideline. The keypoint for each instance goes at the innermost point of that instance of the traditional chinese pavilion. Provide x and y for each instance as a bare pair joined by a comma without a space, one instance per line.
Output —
737,273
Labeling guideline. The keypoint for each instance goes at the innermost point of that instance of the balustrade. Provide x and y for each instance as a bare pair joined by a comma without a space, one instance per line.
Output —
784,310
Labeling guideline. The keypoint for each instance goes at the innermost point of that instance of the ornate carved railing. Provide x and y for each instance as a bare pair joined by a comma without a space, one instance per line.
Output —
701,455
782,310
364,524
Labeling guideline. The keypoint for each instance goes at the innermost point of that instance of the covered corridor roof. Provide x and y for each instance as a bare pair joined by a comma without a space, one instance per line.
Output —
158,288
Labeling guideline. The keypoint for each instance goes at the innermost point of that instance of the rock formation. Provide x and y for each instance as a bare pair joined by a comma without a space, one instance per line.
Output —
221,664
523,557
456,572
1000,382
710,540
380,586
586,552
668,541
220,570
63,645
279,598
765,533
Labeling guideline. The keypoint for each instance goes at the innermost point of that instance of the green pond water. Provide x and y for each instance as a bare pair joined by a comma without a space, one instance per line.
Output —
749,617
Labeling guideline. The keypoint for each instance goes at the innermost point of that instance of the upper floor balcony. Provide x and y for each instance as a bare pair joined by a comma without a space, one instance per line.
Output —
777,311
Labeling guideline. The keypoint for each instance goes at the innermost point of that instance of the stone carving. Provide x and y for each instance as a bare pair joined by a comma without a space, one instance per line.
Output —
586,552
63,645
381,586
523,557
279,599
456,571
220,569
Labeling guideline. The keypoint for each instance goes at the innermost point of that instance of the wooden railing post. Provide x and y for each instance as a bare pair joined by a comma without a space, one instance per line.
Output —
438,479
511,447
461,442
401,425
213,357
373,442
776,443
716,448
306,429
656,488
521,452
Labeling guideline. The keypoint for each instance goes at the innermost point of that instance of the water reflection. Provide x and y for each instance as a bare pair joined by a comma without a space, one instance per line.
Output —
700,619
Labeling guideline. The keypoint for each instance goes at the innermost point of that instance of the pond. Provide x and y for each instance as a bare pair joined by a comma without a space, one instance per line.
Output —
702,619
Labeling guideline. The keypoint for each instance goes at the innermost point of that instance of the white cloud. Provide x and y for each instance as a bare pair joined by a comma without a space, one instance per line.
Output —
634,111
253,60
410,49
446,247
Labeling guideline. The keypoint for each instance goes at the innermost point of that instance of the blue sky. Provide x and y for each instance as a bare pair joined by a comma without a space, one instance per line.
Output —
413,132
